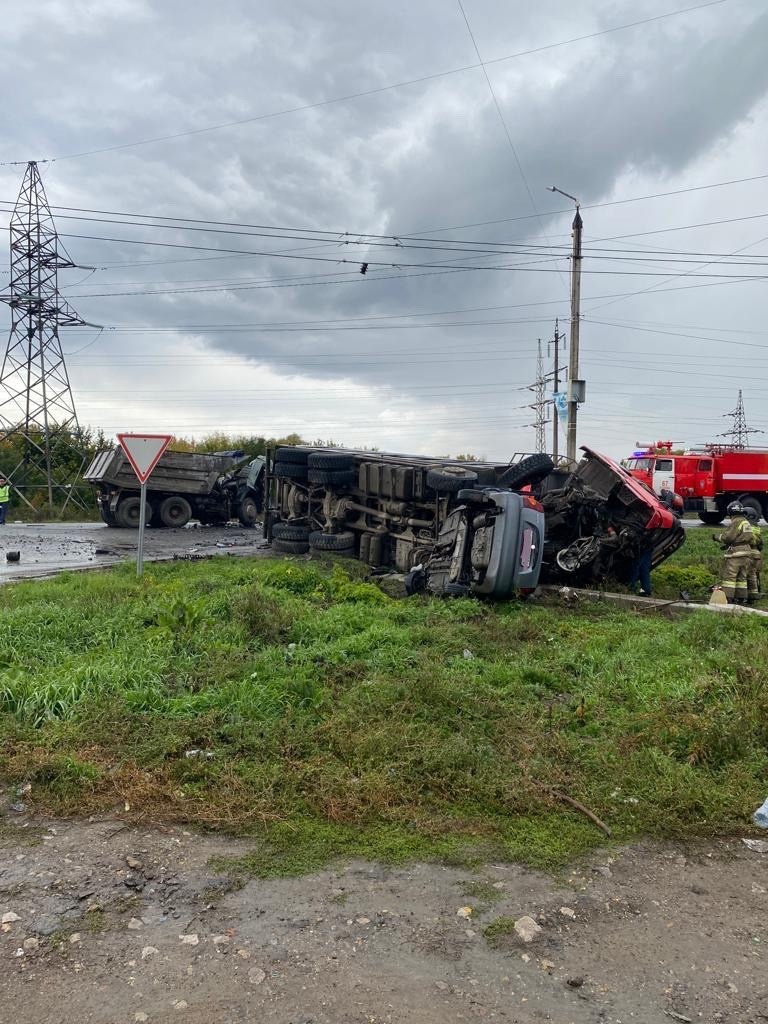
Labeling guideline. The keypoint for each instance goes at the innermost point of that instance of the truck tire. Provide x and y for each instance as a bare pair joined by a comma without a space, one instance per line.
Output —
248,512
128,513
175,511
711,518
472,496
290,547
338,542
331,477
287,531
296,455
750,501
337,461
290,470
450,479
531,470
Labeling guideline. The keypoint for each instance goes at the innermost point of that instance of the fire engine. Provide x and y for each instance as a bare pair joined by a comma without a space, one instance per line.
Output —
706,478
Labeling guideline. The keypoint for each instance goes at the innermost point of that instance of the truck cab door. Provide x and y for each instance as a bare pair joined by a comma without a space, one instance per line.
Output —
704,484
663,475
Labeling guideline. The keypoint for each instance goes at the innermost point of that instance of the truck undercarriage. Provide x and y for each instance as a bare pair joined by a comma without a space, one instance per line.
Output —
458,528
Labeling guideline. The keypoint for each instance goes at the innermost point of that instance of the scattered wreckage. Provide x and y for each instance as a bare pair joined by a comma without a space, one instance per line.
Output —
460,528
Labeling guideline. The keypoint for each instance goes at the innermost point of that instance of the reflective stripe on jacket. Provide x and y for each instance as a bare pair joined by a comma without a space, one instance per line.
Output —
5,494
738,535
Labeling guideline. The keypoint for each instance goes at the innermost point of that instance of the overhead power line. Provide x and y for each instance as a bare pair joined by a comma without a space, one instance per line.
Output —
371,92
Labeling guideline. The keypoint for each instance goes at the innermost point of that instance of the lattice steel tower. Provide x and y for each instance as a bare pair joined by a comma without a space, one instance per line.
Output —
739,432
36,403
540,406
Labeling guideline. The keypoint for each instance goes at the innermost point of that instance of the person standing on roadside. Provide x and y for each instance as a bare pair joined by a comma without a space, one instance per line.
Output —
5,497
738,543
755,566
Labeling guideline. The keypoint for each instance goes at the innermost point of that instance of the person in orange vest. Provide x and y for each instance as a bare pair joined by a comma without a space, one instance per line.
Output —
738,543
5,497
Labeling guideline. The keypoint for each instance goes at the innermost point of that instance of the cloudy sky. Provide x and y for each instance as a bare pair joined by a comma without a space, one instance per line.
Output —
360,120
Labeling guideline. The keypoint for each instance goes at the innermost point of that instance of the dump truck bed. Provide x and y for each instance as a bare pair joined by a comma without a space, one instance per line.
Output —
176,472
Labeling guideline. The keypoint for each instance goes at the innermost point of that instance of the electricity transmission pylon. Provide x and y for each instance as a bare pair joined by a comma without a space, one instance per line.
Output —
540,406
739,432
37,409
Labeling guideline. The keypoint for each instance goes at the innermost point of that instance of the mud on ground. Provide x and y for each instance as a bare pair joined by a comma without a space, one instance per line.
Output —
111,922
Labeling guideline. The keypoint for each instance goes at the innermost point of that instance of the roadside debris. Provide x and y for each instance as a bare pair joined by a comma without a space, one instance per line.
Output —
527,929
756,845
760,817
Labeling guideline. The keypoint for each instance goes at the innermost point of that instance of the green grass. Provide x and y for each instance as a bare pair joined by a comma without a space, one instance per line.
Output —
344,723
695,567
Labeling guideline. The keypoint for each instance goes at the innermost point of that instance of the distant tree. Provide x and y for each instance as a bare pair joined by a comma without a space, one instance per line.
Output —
470,458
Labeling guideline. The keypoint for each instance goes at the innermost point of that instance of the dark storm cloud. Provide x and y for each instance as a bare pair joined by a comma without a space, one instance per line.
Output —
650,102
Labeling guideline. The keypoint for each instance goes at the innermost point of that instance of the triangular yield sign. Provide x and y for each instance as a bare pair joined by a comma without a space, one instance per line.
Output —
143,451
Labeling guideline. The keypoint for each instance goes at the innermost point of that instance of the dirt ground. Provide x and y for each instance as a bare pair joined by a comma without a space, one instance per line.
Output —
110,922
47,548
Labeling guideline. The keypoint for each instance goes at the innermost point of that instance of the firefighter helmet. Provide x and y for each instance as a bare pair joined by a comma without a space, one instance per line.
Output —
735,508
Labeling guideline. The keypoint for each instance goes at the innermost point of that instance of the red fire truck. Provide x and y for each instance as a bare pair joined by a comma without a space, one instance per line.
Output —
707,479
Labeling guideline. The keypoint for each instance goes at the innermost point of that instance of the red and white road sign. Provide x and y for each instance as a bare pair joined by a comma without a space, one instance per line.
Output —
143,451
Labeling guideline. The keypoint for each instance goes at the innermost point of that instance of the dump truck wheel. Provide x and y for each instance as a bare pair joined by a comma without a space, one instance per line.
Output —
339,542
331,460
296,455
450,479
331,477
128,513
287,531
290,547
175,511
527,471
248,513
290,470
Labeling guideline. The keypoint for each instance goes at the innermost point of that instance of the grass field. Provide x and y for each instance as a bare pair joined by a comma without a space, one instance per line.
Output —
331,719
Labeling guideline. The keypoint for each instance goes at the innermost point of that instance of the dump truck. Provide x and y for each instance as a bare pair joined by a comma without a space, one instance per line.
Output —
458,528
184,485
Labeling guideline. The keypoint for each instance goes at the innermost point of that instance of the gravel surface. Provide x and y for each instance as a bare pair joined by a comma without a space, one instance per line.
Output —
107,922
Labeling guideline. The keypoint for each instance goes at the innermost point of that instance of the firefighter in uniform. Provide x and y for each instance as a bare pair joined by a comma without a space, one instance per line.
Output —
756,557
738,541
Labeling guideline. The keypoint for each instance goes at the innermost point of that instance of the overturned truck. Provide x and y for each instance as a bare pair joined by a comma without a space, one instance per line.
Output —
459,528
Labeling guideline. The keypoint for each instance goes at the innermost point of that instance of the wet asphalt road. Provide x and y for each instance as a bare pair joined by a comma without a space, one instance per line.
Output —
47,548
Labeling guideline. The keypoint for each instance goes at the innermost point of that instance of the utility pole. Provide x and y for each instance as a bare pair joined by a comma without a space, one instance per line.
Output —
740,431
36,404
539,389
556,387
575,386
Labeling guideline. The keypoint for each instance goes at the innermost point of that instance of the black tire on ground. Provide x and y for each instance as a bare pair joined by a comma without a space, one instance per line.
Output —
331,460
451,479
128,513
298,456
248,512
290,547
530,470
456,590
750,501
331,477
287,531
332,541
290,470
711,518
175,511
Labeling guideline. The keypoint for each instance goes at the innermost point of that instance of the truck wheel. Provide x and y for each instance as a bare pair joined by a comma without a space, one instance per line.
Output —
298,456
331,460
711,518
248,513
531,470
287,531
128,513
450,479
290,547
749,501
331,477
290,470
339,542
175,511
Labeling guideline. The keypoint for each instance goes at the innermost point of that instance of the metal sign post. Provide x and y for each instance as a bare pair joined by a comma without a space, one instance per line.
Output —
143,451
